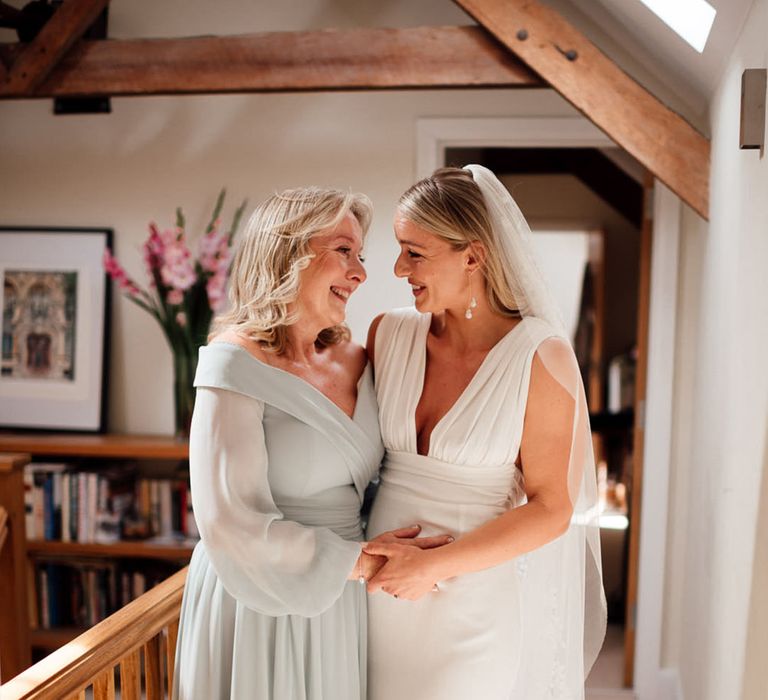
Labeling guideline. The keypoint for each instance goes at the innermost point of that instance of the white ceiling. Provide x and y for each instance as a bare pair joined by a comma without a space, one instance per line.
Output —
635,30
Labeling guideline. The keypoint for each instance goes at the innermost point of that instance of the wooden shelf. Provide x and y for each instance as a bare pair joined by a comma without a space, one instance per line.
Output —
76,445
132,549
54,638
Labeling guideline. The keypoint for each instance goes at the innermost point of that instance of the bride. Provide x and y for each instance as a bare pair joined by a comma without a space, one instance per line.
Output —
486,430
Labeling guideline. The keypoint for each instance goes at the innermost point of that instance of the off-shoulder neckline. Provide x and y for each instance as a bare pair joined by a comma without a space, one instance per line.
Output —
300,380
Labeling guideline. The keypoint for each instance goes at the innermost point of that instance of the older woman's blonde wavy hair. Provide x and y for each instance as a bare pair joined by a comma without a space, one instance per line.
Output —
274,250
450,205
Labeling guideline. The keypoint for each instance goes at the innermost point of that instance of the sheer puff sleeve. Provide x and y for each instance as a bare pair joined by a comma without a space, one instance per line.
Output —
271,565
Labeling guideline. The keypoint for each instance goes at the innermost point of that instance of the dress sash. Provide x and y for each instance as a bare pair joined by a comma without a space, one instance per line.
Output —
434,480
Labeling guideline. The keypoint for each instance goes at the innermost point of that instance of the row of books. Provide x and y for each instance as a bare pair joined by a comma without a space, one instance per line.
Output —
71,505
82,593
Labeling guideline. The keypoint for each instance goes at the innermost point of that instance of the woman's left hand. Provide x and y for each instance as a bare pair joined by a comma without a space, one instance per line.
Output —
409,573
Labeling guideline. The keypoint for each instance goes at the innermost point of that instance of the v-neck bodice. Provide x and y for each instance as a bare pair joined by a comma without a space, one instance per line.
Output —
484,425
425,323
355,439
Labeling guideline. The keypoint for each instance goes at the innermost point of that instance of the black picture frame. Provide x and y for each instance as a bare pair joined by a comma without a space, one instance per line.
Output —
56,302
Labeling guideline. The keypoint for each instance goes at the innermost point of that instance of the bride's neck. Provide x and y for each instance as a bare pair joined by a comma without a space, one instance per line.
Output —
476,334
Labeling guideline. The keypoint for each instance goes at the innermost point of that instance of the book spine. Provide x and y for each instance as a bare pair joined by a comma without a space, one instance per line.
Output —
93,494
54,591
145,501
192,530
154,495
66,504
82,507
29,503
42,587
180,512
48,529
56,506
74,508
166,508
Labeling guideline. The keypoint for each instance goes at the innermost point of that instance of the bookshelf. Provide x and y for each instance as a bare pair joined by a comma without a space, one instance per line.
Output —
91,452
107,446
125,549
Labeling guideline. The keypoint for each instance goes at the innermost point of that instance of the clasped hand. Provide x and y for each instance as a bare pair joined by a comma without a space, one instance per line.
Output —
402,564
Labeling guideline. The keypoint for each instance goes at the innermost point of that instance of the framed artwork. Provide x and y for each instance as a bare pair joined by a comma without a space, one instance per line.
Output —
55,328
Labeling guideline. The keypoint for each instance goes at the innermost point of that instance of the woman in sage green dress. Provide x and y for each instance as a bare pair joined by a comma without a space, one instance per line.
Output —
284,440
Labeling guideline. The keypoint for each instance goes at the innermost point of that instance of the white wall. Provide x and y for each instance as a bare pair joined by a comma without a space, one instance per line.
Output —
152,154
721,410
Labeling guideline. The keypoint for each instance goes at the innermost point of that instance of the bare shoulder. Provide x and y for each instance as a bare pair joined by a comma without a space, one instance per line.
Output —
371,341
350,356
232,337
554,363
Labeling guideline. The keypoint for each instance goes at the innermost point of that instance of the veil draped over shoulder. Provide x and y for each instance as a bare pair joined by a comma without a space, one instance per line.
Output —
564,609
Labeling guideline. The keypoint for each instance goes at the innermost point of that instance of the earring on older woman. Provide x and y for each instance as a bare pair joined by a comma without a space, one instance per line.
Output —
472,301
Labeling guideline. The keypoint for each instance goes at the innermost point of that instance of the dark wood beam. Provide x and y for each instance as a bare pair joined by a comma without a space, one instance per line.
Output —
354,59
659,138
39,57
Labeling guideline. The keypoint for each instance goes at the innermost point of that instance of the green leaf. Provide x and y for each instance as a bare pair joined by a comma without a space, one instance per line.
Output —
180,221
216,210
236,222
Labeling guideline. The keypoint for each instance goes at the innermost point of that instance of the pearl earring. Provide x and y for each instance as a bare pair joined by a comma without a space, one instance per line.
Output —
472,301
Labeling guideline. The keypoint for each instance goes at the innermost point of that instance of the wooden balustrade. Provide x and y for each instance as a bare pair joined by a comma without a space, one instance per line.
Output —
142,635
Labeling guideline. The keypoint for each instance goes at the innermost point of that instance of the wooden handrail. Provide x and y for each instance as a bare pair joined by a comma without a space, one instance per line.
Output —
149,623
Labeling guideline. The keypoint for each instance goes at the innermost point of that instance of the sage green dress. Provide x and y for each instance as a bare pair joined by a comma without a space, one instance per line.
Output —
278,473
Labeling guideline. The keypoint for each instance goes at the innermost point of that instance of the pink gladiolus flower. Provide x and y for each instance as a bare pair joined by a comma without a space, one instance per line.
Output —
173,270
175,297
119,275
153,250
178,269
224,256
216,288
212,247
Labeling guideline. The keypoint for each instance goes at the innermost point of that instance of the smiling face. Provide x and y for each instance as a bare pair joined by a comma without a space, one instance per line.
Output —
333,274
437,272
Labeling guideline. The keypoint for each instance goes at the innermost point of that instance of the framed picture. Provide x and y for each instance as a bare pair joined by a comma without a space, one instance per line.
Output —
55,301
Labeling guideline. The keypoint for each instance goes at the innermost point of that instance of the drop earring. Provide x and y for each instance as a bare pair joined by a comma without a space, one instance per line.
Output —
472,301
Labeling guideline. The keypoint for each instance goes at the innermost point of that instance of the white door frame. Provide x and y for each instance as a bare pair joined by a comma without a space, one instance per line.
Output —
651,682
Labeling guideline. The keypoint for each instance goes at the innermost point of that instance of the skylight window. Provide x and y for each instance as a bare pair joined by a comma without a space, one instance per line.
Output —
691,19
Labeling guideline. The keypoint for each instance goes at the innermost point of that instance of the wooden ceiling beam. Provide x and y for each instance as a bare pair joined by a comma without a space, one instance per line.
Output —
353,59
39,57
655,135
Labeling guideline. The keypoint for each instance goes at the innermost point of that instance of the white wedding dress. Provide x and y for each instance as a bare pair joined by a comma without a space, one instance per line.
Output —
512,631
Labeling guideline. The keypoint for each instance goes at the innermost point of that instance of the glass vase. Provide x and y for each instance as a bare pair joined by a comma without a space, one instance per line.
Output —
184,366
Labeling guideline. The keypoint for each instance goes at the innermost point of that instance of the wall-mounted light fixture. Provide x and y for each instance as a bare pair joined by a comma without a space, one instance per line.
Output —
752,131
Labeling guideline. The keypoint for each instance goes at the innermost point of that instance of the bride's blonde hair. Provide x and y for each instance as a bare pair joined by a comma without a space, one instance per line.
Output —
272,253
450,205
